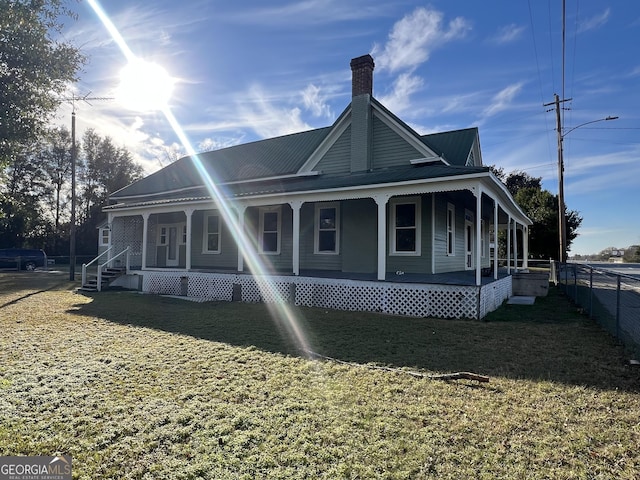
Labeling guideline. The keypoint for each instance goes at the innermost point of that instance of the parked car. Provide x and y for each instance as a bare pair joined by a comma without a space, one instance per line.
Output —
23,258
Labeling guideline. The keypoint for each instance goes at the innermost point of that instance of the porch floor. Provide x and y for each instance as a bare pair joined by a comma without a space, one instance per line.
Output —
464,277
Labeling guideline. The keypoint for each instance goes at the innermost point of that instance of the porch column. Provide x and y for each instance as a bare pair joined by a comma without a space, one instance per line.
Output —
509,245
478,236
495,239
189,214
110,244
525,246
241,236
145,238
295,206
382,200
515,245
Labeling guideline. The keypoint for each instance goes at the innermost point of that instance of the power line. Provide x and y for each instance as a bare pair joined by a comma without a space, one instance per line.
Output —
72,231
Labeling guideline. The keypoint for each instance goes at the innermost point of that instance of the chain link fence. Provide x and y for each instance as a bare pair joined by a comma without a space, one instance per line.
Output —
609,297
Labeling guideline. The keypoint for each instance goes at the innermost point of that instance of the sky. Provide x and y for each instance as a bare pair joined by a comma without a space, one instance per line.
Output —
246,70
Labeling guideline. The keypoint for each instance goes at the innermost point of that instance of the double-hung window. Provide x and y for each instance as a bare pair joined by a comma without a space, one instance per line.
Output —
327,228
105,234
270,230
405,226
211,241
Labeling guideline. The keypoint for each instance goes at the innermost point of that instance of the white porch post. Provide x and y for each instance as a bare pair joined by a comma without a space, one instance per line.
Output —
525,246
295,206
145,238
381,201
478,235
495,239
515,245
508,244
241,210
189,214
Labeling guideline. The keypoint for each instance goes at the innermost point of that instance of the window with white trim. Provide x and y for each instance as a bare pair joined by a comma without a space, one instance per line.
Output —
405,226
178,231
451,229
327,228
211,241
270,230
162,235
105,235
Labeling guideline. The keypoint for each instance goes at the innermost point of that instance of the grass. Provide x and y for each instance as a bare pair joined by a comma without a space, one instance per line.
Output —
135,386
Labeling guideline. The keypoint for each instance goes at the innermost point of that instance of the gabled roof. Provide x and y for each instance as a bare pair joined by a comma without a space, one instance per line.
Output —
273,157
454,146
277,186
277,158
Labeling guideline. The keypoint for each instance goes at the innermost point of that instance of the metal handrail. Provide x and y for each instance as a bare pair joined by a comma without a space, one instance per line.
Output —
85,265
100,267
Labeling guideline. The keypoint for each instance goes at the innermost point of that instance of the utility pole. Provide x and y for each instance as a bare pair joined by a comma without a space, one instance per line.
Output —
74,156
562,233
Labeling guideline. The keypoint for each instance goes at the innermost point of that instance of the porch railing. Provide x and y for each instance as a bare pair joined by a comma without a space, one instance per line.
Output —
101,267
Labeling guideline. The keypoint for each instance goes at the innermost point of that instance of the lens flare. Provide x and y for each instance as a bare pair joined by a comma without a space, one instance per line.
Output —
280,311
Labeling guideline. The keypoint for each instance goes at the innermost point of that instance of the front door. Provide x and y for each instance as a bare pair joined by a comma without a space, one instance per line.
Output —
468,245
170,237
172,247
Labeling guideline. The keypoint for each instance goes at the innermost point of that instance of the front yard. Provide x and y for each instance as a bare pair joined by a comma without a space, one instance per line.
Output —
137,386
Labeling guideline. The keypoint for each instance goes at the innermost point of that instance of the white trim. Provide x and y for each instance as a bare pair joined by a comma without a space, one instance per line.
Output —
317,229
101,237
180,240
422,161
450,230
206,233
262,211
393,203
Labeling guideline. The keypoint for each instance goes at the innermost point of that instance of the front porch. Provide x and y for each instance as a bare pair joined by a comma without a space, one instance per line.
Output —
448,295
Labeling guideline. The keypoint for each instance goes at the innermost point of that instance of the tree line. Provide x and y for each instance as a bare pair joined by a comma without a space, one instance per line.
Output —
36,67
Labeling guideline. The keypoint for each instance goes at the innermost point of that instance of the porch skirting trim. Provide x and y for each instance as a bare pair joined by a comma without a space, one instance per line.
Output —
415,300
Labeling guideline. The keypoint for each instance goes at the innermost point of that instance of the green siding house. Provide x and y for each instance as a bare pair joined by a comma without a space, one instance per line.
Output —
365,214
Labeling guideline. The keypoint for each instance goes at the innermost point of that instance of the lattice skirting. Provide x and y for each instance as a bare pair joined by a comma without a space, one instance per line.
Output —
415,300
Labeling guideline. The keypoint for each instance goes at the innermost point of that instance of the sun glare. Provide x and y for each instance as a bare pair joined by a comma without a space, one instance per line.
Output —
144,86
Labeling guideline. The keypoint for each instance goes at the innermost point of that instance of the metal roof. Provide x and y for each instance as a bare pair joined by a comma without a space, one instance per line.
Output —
293,185
454,145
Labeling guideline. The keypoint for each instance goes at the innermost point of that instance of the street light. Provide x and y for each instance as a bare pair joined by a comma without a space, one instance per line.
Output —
562,226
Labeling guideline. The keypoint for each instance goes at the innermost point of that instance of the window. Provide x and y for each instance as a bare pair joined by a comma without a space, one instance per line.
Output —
327,221
162,236
270,230
211,242
172,234
451,229
405,225
105,234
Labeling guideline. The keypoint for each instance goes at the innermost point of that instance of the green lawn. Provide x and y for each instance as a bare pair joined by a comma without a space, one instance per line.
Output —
137,386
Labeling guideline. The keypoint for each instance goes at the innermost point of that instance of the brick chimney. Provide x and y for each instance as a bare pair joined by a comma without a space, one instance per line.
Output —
362,75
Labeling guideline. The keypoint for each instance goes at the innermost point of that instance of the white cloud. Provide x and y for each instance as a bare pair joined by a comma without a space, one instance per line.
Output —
267,119
316,102
415,36
508,34
594,22
502,100
403,87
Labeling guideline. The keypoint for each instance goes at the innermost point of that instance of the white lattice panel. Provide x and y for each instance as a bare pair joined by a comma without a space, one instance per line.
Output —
162,283
407,300
443,301
211,287
453,301
493,294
